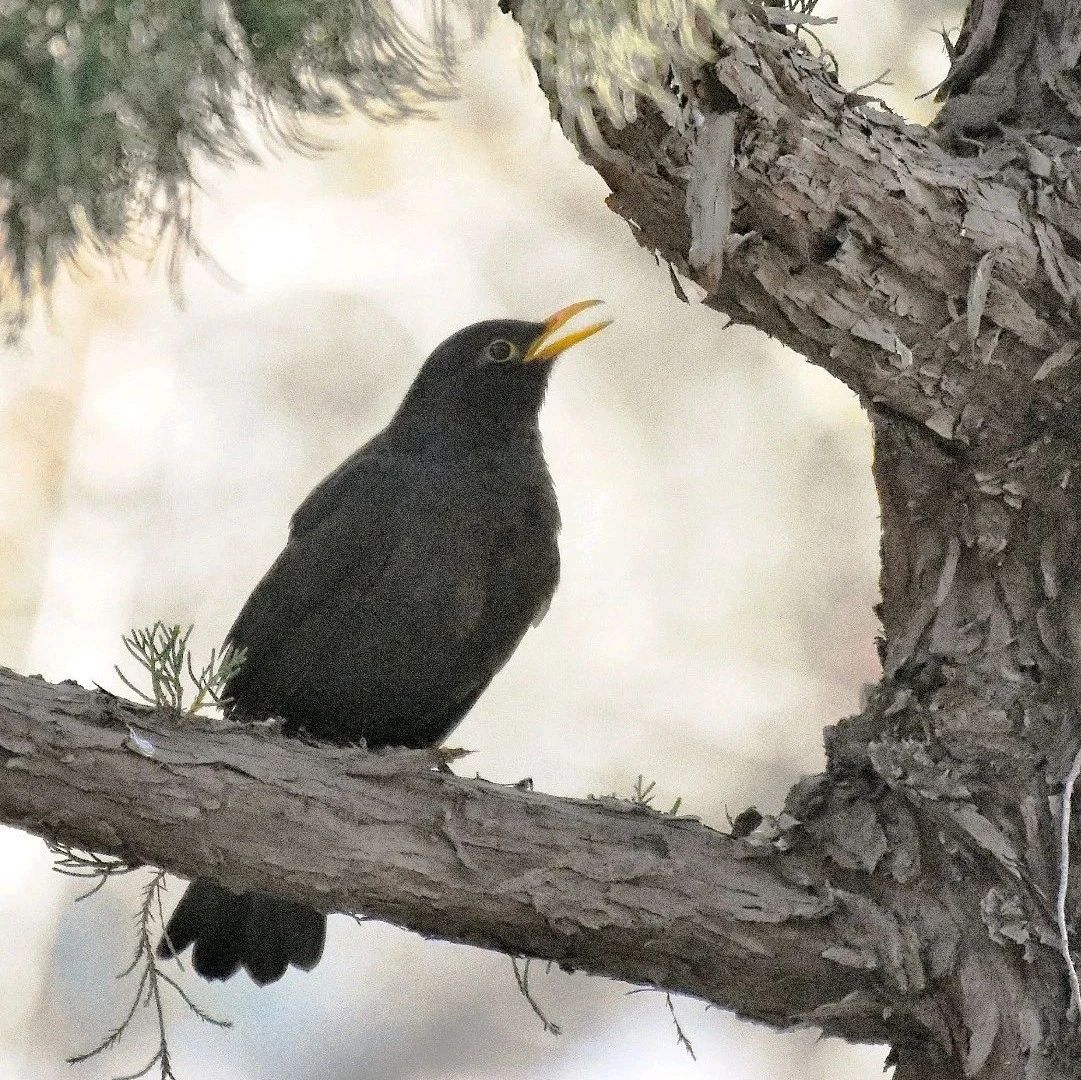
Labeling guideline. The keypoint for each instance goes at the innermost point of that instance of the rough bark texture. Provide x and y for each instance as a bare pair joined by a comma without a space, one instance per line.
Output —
602,884
907,894
934,271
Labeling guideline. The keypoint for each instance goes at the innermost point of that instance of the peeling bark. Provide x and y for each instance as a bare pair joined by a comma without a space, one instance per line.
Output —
935,271
857,237
605,885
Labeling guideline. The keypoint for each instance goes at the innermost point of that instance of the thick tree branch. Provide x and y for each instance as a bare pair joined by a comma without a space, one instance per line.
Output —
936,272
915,275
603,885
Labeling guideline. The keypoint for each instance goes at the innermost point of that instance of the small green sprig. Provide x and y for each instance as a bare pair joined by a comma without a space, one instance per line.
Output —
644,792
681,1035
151,984
162,651
87,865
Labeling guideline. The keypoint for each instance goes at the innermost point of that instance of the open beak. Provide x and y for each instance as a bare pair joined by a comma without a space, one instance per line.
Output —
545,347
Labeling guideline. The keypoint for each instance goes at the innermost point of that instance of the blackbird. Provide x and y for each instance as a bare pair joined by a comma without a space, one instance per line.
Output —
409,577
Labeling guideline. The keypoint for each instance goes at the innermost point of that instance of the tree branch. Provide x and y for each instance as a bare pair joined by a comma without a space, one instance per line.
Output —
916,276
602,885
937,272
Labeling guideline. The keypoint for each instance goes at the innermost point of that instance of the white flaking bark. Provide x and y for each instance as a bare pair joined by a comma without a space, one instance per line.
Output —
709,196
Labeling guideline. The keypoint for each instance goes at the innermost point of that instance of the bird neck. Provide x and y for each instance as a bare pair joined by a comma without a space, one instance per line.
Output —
412,433
432,420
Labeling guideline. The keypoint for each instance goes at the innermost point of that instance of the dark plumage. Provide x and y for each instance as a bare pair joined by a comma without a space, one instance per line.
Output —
410,575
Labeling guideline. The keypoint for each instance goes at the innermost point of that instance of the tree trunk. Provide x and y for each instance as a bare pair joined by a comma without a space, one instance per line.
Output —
935,272
973,725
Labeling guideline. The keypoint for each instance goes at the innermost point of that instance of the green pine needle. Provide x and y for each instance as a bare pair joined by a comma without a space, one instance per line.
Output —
162,652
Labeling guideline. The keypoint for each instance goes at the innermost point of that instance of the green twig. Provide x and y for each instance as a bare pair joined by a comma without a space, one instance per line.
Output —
681,1035
162,652
149,988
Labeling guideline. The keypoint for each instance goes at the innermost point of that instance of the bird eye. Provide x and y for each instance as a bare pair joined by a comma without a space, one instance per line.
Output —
500,351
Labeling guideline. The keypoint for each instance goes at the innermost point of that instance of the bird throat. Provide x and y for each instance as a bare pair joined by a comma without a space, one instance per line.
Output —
493,414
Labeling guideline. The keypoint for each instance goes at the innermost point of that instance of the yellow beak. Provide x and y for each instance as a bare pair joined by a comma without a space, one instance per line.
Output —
545,348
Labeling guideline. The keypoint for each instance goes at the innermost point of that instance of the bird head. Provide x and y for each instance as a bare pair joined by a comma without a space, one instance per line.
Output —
491,376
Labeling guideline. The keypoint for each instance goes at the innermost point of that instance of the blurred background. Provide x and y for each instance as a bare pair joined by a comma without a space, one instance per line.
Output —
719,553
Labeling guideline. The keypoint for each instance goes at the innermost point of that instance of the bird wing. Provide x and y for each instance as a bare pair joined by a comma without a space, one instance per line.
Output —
377,585
366,476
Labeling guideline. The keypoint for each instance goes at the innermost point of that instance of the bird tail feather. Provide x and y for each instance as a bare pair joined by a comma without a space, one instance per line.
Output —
263,934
